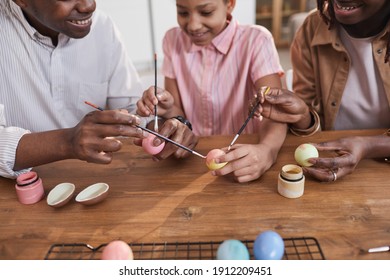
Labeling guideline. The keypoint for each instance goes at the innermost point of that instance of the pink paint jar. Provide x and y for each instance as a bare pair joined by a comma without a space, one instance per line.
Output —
29,188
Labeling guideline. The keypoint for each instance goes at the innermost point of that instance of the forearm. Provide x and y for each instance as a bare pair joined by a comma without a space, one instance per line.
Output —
272,134
40,148
305,122
376,146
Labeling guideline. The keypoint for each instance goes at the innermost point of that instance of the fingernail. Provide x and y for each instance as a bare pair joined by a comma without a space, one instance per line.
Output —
157,142
134,119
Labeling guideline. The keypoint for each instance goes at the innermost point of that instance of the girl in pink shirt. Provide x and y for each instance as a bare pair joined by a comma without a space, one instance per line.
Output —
213,66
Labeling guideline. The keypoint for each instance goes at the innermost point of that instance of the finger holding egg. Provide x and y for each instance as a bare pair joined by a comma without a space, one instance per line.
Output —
149,147
211,159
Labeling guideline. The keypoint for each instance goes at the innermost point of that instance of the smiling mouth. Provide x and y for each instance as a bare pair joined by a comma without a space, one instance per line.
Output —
197,35
82,22
347,8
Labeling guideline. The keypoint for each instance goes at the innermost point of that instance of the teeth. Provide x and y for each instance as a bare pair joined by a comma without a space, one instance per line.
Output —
82,22
198,34
346,8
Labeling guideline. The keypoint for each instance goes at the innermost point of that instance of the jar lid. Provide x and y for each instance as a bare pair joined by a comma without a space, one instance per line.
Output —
291,172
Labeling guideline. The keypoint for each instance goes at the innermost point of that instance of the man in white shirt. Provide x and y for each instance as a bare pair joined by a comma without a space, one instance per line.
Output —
54,55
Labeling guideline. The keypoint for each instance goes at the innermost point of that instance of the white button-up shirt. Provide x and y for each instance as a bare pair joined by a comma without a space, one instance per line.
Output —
43,87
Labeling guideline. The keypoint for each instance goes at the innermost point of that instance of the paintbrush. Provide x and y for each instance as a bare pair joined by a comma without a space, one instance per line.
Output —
155,93
171,141
246,121
155,134
379,249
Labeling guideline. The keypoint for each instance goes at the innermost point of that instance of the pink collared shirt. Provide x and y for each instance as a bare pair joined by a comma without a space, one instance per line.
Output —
217,82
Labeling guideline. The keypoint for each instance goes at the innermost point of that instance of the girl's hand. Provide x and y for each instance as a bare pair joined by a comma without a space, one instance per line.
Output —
164,102
246,162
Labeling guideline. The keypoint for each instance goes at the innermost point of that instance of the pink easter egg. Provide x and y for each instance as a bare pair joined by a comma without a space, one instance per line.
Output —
147,145
117,250
210,159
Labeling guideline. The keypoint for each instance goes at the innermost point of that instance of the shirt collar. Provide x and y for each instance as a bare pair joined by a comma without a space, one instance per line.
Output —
222,42
33,33
17,11
323,35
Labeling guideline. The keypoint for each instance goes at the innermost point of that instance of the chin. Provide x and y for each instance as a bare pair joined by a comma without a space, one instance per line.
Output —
79,35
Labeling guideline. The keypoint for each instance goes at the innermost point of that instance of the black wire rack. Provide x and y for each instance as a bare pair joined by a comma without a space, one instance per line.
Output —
302,248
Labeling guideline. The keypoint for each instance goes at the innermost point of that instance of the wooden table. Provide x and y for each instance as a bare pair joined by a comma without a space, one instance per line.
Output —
179,200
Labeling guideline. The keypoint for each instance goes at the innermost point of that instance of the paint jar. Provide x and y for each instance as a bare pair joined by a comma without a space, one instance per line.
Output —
29,188
291,181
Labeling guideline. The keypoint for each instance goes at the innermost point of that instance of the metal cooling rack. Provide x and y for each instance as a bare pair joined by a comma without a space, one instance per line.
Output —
304,248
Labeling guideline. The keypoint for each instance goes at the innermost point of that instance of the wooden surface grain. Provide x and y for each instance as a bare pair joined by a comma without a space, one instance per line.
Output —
180,201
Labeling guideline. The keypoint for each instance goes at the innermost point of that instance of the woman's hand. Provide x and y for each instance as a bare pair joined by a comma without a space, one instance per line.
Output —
348,153
281,105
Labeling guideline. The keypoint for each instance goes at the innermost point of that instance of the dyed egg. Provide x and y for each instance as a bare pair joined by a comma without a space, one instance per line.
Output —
93,194
147,145
304,152
117,250
60,194
268,245
210,159
232,250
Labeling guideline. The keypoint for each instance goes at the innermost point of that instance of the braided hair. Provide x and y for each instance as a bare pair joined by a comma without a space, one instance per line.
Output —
326,10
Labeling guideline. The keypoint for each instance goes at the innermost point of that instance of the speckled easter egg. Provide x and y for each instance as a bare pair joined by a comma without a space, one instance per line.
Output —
232,250
304,152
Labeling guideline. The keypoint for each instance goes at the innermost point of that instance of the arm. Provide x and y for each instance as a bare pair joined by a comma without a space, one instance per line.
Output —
303,63
92,140
10,137
282,105
349,151
249,162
